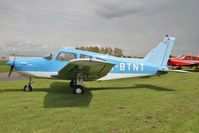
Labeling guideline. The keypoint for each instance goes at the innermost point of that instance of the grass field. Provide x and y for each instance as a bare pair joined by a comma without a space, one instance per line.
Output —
169,103
4,67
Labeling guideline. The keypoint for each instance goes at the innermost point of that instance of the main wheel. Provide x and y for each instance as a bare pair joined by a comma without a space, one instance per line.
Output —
78,89
179,68
27,88
197,70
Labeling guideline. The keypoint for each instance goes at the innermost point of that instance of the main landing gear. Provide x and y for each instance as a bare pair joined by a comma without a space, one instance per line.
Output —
28,87
179,68
77,86
197,69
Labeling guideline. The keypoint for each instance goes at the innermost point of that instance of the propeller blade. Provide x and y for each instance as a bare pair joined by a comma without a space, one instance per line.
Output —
11,63
11,69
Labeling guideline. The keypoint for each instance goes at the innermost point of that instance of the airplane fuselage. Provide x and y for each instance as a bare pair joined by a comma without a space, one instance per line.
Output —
184,60
124,67
79,66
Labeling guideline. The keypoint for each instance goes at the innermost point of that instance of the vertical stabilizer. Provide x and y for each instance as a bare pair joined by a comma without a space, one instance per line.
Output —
160,55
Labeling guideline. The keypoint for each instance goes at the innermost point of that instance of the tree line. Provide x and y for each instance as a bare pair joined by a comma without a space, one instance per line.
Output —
104,50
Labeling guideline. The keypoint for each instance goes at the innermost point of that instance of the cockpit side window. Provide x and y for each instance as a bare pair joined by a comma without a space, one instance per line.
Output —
181,57
85,56
188,58
64,56
193,58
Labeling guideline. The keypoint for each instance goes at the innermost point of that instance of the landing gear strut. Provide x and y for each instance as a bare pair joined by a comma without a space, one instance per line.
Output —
28,87
77,86
72,83
197,69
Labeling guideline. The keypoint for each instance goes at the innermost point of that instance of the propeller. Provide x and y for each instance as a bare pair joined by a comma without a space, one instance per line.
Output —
11,67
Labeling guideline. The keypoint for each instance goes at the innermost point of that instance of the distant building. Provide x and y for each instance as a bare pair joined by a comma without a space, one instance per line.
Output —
4,58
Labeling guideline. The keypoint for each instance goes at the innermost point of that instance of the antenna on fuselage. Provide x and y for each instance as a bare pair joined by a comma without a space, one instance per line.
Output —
108,51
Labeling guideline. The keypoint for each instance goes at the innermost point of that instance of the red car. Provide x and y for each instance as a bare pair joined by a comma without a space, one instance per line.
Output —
185,60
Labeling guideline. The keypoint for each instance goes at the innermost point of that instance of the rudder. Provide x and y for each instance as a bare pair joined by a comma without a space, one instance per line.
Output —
160,55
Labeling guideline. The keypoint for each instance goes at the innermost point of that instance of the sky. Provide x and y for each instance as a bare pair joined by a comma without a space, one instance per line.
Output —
40,27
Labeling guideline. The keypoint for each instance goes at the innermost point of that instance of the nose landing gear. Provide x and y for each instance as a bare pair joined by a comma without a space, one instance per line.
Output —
28,87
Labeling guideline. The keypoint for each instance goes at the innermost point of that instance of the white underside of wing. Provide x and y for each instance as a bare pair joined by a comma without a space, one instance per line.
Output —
38,74
111,76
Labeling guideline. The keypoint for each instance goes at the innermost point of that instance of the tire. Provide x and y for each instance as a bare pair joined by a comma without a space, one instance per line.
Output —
179,68
197,70
27,88
78,89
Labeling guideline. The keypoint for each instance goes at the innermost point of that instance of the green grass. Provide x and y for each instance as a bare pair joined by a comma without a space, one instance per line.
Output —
4,67
165,104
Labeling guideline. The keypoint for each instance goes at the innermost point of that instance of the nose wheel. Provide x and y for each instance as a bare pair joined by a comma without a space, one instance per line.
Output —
28,87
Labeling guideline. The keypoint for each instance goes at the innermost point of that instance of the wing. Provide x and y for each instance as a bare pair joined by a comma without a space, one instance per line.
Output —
86,69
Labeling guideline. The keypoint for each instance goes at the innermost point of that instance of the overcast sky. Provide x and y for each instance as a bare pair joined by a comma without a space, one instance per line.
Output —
39,27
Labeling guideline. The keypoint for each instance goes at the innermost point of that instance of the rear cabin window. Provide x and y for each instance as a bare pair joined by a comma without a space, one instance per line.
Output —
193,58
64,56
198,58
188,58
85,56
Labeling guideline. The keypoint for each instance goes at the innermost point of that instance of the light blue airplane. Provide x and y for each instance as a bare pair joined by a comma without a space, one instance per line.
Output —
79,66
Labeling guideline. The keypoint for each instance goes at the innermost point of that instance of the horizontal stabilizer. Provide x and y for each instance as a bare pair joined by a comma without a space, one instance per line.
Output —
181,71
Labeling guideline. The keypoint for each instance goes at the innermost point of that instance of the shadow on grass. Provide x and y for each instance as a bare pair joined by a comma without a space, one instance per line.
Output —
59,94
137,86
